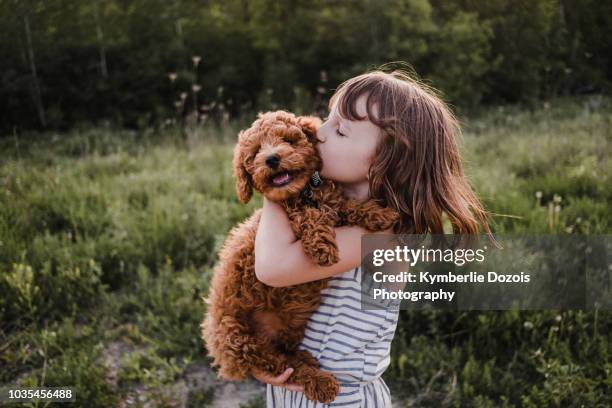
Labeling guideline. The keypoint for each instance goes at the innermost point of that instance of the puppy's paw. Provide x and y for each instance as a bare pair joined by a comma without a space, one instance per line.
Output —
328,256
320,245
323,389
379,218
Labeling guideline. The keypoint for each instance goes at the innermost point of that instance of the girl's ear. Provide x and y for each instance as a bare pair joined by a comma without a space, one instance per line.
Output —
309,125
244,182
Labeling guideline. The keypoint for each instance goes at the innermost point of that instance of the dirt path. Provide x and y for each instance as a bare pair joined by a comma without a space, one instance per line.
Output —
199,383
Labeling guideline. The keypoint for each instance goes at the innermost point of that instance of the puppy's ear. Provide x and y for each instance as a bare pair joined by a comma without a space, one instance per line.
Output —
244,182
309,125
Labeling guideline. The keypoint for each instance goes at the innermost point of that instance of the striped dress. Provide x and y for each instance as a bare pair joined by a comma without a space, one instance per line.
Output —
352,343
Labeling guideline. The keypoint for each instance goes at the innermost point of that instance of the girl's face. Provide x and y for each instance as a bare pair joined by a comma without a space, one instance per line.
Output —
347,147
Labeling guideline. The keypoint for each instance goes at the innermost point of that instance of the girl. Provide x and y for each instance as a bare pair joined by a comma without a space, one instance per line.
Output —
391,138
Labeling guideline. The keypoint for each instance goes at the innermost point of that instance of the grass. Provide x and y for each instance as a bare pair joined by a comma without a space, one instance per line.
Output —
108,238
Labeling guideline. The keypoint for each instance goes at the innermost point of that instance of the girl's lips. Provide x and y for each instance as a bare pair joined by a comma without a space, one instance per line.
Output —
281,179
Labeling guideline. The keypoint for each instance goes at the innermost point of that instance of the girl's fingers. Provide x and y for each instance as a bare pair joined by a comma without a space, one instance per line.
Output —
269,379
283,377
263,377
278,381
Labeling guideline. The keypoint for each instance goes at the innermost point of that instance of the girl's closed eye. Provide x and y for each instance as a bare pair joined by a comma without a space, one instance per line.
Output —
339,133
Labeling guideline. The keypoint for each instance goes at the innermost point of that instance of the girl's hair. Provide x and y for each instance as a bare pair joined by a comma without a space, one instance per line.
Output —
417,166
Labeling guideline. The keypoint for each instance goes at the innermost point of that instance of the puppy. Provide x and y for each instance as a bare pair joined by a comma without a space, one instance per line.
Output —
249,325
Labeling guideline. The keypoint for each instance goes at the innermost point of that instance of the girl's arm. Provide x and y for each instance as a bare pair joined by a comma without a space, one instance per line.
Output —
281,261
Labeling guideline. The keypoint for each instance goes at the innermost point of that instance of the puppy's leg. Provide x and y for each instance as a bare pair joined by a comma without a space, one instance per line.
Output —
369,215
318,236
240,349
318,385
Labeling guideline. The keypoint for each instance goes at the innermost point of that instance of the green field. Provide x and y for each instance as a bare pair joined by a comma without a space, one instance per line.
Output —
108,239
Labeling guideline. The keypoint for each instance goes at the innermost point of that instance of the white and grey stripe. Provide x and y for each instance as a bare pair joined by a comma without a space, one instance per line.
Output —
352,343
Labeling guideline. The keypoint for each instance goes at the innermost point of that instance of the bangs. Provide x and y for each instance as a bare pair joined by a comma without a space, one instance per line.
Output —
375,86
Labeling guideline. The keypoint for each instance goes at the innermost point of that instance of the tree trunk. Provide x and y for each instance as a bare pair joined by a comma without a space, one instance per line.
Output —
100,34
37,95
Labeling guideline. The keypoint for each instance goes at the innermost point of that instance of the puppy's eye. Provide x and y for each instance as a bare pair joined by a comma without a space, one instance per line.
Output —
291,142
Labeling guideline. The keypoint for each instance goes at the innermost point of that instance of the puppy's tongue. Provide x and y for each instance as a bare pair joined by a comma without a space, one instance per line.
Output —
281,178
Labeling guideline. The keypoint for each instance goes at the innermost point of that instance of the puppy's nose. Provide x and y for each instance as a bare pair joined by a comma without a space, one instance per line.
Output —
272,161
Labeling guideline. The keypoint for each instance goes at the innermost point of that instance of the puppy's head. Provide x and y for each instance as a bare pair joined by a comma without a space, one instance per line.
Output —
276,155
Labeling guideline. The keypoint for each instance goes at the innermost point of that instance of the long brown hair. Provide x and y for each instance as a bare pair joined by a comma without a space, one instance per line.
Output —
417,165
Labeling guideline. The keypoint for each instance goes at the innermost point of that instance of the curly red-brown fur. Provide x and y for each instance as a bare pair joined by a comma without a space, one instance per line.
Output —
248,325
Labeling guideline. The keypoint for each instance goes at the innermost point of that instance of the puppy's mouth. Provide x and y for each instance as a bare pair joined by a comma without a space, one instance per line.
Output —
281,178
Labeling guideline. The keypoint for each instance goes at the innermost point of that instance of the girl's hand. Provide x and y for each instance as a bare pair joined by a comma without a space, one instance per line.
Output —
278,381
